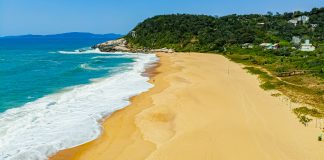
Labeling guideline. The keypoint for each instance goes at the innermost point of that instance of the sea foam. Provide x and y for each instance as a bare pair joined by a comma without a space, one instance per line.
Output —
69,118
83,51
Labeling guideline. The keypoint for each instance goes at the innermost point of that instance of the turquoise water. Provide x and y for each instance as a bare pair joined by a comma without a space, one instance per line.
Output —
31,68
53,97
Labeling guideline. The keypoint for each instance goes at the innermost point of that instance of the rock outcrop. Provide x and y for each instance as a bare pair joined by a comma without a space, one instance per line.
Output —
119,45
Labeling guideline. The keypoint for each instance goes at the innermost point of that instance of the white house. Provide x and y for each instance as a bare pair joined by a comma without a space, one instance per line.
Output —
265,45
293,21
303,19
269,45
307,46
165,50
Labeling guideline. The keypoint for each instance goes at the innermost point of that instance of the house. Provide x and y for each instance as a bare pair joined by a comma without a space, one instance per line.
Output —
269,45
307,46
247,45
266,45
303,19
293,21
295,40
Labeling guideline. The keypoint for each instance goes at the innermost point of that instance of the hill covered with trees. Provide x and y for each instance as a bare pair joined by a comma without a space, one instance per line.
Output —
203,33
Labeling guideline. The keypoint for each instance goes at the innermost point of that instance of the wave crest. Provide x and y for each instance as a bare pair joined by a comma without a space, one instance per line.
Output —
86,66
82,51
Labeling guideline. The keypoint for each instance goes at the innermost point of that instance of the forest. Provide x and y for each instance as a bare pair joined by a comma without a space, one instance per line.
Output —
203,33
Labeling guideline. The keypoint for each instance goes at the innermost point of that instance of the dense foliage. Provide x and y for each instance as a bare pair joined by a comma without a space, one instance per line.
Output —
184,32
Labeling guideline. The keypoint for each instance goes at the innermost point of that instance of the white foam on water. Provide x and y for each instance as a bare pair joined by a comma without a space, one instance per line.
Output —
115,55
86,66
85,51
68,118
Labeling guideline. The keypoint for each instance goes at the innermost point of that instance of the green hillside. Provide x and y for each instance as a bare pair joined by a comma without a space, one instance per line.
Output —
203,33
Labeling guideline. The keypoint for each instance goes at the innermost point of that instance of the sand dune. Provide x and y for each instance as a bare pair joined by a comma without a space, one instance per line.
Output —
202,107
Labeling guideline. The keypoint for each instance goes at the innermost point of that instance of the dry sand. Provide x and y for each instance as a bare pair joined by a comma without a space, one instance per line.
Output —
202,107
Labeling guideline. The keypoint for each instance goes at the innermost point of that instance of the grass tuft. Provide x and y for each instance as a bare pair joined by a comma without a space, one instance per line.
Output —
307,111
268,82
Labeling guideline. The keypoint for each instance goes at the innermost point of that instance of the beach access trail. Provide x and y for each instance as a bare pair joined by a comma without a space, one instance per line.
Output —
202,107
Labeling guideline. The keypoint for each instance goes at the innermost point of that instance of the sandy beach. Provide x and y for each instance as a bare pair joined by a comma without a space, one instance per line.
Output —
202,106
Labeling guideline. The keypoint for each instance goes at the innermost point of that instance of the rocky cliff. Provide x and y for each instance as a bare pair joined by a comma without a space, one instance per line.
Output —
119,45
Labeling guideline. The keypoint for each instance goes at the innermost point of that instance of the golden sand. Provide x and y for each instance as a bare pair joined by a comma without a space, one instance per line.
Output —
202,107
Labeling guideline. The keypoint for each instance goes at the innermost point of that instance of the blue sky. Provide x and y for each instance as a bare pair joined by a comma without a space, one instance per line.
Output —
119,16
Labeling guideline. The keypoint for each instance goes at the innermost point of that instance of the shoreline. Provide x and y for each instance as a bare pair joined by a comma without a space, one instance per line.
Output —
72,153
165,123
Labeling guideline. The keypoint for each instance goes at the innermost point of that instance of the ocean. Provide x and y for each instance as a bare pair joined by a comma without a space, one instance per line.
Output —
52,96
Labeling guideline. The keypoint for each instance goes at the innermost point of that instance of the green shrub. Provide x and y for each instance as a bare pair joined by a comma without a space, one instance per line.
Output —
268,86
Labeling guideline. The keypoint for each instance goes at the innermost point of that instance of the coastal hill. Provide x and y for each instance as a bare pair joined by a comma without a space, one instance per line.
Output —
69,35
203,33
